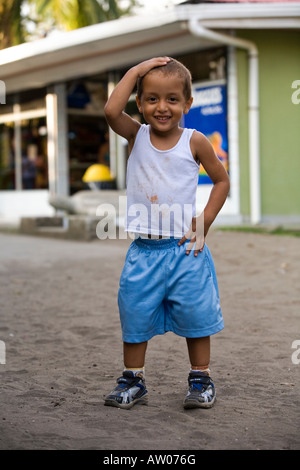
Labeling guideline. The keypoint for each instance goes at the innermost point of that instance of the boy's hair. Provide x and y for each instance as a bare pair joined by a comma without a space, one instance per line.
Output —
174,67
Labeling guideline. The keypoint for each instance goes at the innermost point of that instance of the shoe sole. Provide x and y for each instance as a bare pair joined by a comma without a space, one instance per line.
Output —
139,401
198,404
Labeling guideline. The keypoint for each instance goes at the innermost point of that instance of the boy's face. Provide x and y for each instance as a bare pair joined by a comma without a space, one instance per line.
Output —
163,102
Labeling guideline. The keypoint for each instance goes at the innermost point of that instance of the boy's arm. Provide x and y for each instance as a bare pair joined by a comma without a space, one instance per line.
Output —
204,152
117,119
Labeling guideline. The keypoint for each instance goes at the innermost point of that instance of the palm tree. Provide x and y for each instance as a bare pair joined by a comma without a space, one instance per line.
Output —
73,14
62,14
12,27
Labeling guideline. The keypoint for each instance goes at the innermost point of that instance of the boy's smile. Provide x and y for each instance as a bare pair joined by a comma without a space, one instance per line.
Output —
163,102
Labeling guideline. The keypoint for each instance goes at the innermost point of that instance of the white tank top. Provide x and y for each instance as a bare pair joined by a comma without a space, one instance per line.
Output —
161,186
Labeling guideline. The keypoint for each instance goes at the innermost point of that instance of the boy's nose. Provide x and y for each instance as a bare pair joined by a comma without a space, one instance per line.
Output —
162,106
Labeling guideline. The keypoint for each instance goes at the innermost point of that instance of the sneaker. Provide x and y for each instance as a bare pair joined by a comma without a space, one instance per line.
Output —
129,391
201,393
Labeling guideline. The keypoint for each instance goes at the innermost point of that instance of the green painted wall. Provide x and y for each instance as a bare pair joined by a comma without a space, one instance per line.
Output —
279,67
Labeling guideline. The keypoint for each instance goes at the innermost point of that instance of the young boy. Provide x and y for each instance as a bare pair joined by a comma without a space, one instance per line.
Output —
162,289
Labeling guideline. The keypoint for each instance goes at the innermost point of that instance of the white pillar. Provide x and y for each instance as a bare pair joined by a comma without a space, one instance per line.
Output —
233,131
117,144
112,81
58,154
18,148
121,162
2,92
254,145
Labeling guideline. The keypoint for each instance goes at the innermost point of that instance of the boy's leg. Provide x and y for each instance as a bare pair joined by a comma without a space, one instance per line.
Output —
134,355
199,352
201,393
131,388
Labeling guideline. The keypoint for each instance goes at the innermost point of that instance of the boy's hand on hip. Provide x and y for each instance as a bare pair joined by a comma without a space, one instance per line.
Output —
196,236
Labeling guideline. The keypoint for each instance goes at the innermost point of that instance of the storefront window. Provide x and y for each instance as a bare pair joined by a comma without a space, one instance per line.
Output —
88,144
34,154
88,134
7,163
23,155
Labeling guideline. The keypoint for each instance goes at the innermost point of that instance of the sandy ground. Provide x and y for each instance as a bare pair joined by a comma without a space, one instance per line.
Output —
60,326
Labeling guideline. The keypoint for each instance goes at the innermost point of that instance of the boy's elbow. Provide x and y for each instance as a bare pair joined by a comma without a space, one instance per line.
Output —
226,180
111,114
224,183
108,110
227,184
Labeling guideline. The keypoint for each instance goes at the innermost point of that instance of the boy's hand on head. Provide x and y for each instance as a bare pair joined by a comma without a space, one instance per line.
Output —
196,235
147,65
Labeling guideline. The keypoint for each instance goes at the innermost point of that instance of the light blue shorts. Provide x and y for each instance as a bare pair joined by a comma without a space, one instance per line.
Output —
163,289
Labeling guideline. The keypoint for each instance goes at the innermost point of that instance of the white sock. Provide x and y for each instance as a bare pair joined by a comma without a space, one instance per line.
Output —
206,370
138,372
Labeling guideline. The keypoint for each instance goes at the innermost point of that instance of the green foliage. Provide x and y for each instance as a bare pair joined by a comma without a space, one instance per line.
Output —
12,29
45,15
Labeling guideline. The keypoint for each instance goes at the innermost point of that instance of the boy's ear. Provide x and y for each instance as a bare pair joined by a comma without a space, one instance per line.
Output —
138,102
188,105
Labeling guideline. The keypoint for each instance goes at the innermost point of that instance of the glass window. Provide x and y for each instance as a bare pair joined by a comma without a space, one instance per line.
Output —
33,166
88,145
7,163
34,154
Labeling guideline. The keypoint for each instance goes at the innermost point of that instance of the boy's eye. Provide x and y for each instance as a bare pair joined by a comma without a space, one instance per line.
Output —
152,99
172,99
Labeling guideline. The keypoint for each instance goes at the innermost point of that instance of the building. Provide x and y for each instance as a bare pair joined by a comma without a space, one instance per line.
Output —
245,63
